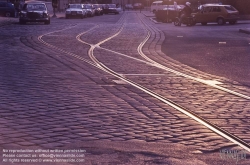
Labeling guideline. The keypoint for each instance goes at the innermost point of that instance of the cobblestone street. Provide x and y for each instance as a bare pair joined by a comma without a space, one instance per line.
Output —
52,94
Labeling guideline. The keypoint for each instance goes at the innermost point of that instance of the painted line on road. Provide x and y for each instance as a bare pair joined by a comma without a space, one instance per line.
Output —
222,42
179,36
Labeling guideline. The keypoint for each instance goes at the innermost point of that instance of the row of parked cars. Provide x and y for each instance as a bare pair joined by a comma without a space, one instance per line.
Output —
206,13
134,6
37,11
90,10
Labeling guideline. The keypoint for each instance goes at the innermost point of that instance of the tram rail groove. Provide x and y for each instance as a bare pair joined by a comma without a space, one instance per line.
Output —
207,82
221,132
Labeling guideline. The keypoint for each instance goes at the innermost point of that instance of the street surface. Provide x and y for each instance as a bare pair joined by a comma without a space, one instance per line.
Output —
54,95
218,50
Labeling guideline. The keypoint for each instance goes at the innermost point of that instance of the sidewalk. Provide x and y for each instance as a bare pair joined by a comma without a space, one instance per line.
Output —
7,20
148,13
58,15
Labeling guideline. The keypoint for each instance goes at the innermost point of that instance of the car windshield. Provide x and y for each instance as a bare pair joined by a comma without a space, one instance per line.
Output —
87,7
112,6
39,7
230,8
75,6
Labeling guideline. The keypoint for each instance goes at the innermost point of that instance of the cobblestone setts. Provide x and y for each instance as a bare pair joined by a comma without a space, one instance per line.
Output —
225,110
4,21
50,99
175,88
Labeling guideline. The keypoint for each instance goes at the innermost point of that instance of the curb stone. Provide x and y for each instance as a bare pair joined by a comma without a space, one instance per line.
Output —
244,31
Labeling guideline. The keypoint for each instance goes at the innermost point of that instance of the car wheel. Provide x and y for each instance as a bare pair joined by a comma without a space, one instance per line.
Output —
7,14
177,22
204,23
47,22
82,16
220,21
232,22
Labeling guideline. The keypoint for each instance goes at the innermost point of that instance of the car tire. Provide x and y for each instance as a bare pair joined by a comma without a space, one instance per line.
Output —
82,16
7,14
220,21
204,23
47,22
232,22
67,17
177,22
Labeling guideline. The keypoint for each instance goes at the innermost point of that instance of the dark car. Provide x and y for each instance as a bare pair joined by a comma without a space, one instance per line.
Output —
110,8
34,12
7,9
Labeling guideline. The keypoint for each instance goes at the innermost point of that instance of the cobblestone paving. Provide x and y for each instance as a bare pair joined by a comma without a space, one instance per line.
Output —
157,39
213,109
217,106
50,99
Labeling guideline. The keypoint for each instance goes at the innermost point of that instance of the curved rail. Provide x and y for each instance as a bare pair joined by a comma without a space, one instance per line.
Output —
139,49
178,107
101,66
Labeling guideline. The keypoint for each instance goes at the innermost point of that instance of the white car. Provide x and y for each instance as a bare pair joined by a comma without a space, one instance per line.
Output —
90,9
156,5
75,10
173,7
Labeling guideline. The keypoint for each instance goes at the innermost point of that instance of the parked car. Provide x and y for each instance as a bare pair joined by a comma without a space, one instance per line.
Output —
110,8
75,10
34,12
173,7
7,9
98,9
138,6
156,5
168,13
128,6
216,13
90,10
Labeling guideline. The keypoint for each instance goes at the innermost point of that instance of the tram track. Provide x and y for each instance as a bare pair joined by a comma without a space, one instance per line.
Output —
95,62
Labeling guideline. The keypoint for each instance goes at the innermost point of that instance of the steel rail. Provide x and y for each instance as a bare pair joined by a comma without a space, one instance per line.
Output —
187,112
176,106
139,49
62,50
